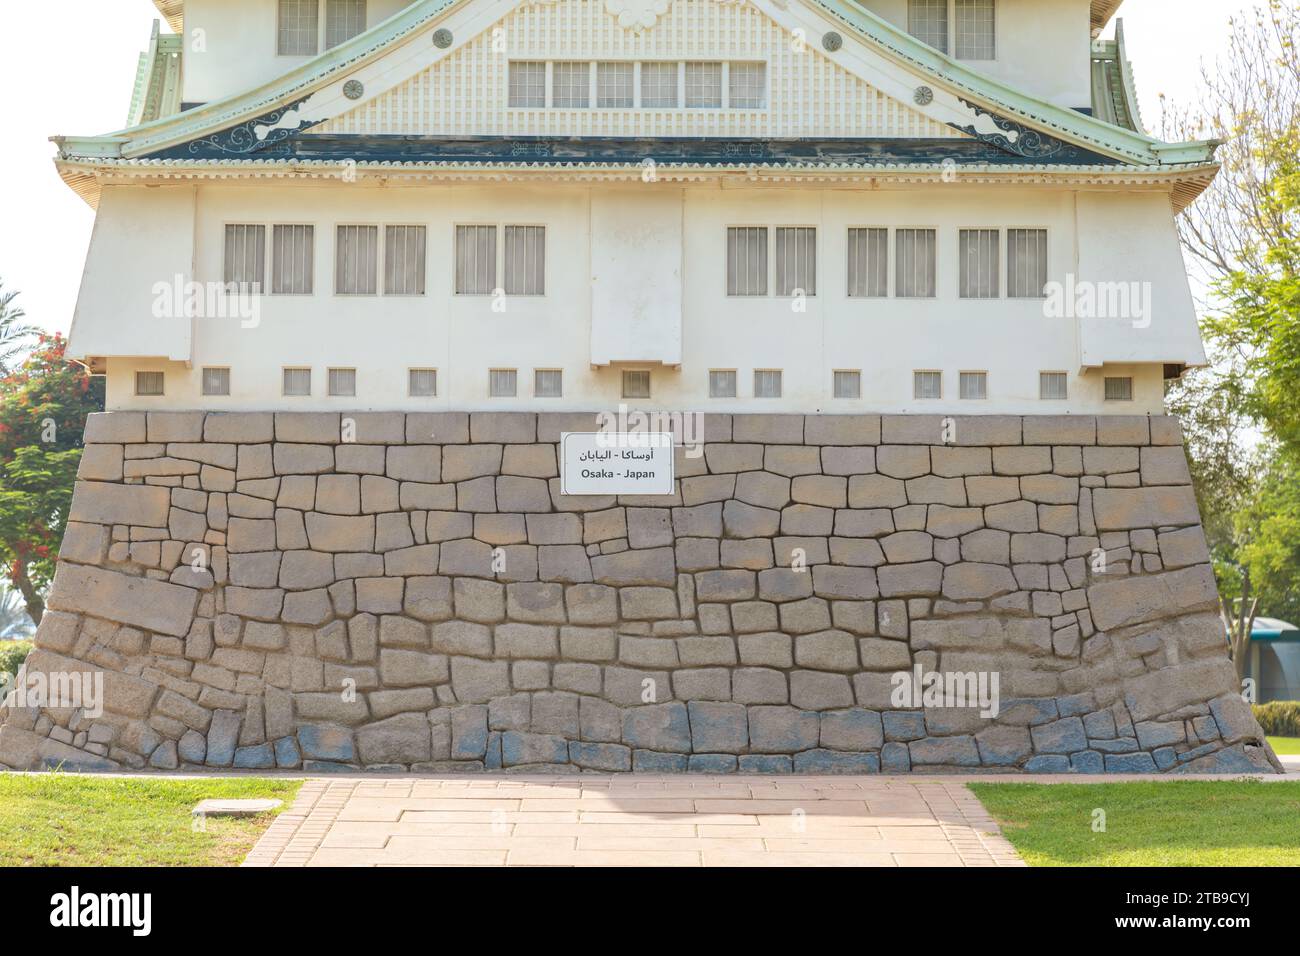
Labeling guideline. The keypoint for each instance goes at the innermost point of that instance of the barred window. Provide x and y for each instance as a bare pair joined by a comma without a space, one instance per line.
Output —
914,260
848,384
343,382
927,385
658,85
299,28
148,383
527,84
1026,263
245,268
404,260
636,383
548,383
979,263
868,263
571,85
296,381
293,259
503,382
1051,386
976,30
344,19
747,86
614,85
767,383
216,381
356,260
974,385
1119,389
796,260
422,382
704,85
927,20
476,260
747,260
525,260
722,383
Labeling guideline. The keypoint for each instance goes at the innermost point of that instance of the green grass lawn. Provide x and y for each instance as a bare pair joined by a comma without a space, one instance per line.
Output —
1175,823
1285,745
56,819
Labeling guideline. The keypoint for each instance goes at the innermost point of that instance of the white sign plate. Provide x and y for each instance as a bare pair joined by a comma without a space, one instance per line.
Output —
616,463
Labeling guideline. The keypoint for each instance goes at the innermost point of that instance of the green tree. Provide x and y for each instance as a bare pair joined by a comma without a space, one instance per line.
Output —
43,409
15,334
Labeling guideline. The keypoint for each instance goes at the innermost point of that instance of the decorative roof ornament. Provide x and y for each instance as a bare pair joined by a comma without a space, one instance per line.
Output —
258,135
442,38
637,15
923,96
832,41
354,89
1016,138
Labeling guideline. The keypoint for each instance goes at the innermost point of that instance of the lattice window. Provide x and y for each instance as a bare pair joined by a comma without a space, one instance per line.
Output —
1119,388
978,252
747,260
1052,386
868,267
527,84
915,265
722,383
848,384
476,260
927,20
525,260
636,383
299,28
973,385
216,381
344,19
343,382
747,86
404,260
659,85
245,261
548,383
422,382
796,260
614,85
293,259
295,382
927,385
503,382
571,85
1026,263
767,383
149,384
976,37
704,85
356,260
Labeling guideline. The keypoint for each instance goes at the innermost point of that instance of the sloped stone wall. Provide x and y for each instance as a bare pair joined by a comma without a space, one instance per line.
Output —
411,591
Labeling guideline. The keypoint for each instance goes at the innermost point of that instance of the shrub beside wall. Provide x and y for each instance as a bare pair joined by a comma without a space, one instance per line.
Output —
1281,718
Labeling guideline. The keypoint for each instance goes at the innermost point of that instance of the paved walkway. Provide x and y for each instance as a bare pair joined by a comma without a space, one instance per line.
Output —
634,820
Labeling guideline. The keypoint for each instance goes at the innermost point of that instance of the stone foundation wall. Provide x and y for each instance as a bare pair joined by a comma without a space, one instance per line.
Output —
387,591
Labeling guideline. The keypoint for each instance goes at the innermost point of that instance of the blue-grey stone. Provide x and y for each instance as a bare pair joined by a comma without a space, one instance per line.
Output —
193,747
1130,763
894,758
904,724
1088,762
322,742
1076,704
782,729
492,754
658,727
223,734
469,732
1028,711
765,763
518,748
611,757
718,727
1152,734
1200,751
1229,760
1063,736
1123,745
287,754
833,761
326,766
855,731
648,761
945,751
1100,725
255,758
1048,763
1165,757
1004,746
712,763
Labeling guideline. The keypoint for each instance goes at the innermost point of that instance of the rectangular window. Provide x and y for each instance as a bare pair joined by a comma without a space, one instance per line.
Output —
548,383
476,260
503,382
571,85
976,34
747,86
659,85
299,30
767,383
344,19
525,260
614,85
722,383
245,258
927,20
636,384
848,384
747,260
927,385
422,382
1026,263
704,85
796,260
343,382
293,259
296,382
527,85
914,260
974,385
1051,386
356,260
148,383
978,252
1119,389
216,381
404,260
868,263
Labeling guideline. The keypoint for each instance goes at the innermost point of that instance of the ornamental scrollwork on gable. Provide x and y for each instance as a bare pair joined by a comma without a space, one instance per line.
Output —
1017,138
257,135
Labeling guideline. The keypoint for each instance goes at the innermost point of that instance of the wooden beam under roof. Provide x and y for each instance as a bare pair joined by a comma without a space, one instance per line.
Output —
1102,11
173,12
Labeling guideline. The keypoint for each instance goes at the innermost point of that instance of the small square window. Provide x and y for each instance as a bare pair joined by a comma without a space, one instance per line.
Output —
296,381
767,383
503,383
722,383
704,85
422,382
1052,386
148,383
216,381
636,384
527,85
548,383
1119,389
343,382
974,385
848,384
659,85
614,85
571,85
747,86
927,385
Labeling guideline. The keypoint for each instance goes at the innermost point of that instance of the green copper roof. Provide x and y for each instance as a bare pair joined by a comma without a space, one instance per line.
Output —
1114,97
157,90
